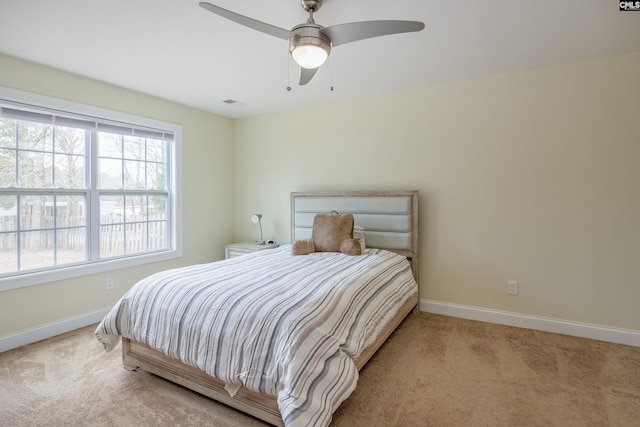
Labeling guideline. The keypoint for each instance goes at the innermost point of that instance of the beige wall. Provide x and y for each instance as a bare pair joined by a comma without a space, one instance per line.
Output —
207,197
531,176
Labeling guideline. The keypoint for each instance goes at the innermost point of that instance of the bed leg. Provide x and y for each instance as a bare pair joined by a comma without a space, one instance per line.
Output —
126,359
129,367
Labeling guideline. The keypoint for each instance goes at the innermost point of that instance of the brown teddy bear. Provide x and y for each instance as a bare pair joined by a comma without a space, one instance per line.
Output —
331,233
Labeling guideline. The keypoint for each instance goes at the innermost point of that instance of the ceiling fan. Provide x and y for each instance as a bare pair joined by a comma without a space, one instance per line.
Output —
309,43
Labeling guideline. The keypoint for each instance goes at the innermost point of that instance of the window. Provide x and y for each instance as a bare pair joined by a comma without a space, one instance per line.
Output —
83,190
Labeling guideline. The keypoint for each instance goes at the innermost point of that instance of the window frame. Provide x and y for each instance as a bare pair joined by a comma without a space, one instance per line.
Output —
63,272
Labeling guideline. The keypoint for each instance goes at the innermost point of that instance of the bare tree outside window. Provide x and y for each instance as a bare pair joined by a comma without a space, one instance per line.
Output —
132,220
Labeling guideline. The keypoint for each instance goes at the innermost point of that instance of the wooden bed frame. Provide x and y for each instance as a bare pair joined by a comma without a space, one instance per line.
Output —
382,229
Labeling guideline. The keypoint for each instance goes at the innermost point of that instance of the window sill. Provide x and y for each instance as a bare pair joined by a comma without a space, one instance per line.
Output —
41,277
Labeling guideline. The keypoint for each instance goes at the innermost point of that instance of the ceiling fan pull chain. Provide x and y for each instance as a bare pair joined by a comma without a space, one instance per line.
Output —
288,73
331,67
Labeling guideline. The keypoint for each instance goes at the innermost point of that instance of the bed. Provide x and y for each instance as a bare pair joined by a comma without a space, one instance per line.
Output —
309,357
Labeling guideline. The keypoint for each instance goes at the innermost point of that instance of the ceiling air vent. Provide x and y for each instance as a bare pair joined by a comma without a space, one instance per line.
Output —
234,102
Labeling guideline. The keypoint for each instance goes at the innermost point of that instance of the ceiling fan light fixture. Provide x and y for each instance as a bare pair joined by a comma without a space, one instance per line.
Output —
309,56
309,46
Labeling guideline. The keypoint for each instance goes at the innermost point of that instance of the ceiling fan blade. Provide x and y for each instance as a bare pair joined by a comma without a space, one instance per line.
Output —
247,22
306,74
354,31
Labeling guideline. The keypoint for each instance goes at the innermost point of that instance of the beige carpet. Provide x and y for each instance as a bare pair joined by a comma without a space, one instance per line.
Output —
433,371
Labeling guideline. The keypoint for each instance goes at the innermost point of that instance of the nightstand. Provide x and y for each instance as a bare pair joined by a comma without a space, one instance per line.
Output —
237,249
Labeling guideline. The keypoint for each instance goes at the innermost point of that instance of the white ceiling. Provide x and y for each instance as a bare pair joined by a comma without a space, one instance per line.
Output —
176,50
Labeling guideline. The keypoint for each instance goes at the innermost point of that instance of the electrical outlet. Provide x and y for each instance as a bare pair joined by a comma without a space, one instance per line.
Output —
108,284
512,287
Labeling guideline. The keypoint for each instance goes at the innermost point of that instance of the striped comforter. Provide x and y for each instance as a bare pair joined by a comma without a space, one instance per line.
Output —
288,326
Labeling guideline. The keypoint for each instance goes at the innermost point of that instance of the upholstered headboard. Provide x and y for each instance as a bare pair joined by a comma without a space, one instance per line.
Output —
389,218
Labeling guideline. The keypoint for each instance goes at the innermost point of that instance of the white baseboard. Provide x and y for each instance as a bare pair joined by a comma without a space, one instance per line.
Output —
38,333
583,330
